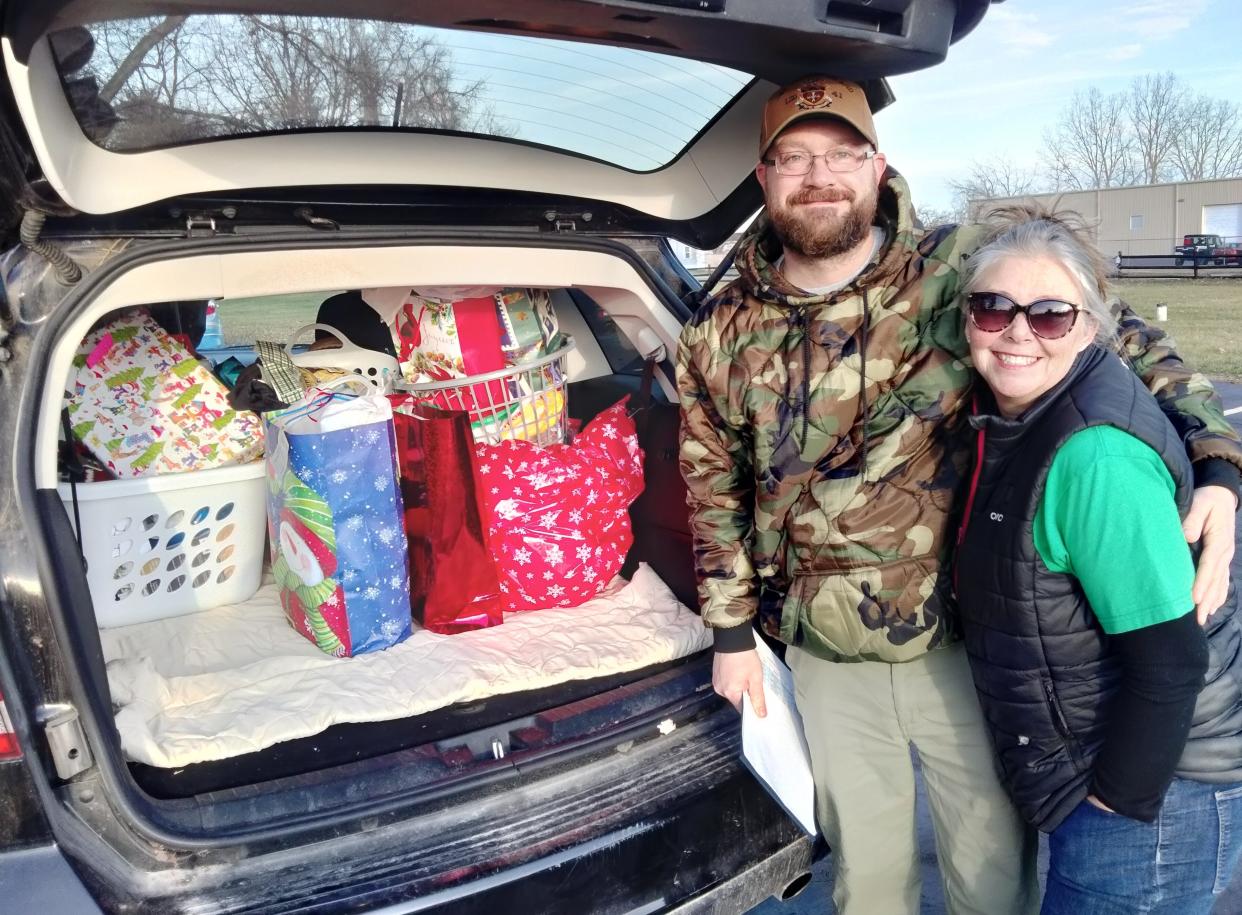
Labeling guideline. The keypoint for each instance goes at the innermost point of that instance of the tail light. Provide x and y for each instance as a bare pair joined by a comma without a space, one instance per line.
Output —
8,740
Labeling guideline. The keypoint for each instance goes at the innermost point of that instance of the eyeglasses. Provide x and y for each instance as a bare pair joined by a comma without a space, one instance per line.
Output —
992,312
798,162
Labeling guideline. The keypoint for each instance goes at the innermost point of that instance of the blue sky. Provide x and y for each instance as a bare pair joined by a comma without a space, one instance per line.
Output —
1003,84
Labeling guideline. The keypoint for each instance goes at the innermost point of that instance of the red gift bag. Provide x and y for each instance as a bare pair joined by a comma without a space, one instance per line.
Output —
453,583
558,516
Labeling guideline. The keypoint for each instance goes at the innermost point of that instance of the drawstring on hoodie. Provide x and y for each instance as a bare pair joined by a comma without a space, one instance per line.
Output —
806,375
862,385
805,400
805,404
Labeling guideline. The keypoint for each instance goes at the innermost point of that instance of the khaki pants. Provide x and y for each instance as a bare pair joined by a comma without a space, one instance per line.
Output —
861,720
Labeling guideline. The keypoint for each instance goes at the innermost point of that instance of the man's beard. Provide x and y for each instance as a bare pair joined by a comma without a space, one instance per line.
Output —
819,233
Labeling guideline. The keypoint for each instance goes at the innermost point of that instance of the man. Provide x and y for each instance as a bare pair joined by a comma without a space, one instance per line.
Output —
824,448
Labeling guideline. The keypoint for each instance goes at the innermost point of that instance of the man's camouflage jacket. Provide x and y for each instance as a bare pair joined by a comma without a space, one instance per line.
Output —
824,441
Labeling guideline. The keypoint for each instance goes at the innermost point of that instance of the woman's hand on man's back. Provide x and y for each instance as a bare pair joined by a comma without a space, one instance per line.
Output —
1211,518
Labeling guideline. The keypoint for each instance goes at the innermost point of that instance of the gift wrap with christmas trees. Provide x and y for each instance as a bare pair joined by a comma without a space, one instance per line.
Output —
335,523
144,406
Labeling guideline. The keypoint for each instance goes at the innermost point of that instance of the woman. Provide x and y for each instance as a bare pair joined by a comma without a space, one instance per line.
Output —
1116,717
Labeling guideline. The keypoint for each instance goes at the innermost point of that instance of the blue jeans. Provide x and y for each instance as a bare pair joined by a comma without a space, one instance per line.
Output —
1102,863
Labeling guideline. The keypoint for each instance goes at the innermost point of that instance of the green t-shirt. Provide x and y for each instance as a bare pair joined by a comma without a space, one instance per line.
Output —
1108,517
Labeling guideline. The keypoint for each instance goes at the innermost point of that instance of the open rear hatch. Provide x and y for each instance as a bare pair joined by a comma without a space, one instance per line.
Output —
645,109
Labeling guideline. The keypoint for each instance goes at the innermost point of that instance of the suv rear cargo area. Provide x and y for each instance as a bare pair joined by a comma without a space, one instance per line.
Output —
620,720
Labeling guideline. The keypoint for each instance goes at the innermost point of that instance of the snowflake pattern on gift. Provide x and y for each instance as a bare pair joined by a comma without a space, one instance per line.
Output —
389,631
558,515
507,509
324,546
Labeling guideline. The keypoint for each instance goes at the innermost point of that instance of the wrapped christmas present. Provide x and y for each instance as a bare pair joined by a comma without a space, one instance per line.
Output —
558,516
144,406
528,324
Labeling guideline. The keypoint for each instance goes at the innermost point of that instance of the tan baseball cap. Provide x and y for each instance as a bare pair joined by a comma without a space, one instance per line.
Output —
816,97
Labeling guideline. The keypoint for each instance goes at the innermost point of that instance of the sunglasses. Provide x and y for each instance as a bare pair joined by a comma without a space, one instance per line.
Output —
992,312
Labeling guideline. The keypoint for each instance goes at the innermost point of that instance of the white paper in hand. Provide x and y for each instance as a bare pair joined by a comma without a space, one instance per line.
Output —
774,747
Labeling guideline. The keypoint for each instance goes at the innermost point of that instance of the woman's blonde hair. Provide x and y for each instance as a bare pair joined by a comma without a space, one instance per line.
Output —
1029,230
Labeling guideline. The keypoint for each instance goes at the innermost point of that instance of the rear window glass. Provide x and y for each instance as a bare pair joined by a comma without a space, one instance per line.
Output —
140,84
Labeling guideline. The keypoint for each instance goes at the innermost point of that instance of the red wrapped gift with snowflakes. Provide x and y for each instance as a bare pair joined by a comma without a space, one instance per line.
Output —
559,523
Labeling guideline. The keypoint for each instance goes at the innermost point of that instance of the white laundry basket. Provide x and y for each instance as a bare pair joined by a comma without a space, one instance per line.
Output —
167,545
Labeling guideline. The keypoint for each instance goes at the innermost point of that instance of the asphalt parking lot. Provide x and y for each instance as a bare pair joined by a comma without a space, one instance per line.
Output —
1231,397
816,899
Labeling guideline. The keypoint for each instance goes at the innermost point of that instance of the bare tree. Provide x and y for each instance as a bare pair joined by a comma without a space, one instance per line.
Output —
1209,144
142,47
939,216
998,176
1157,111
147,68
1092,144
173,79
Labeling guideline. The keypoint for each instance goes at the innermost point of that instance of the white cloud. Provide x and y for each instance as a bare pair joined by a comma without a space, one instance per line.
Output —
1161,18
1018,33
1124,52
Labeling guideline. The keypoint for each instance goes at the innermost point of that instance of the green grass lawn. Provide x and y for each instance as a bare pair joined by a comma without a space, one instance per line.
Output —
1205,319
269,317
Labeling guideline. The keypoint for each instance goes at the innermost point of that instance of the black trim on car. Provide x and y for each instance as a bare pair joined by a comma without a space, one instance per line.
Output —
377,207
778,42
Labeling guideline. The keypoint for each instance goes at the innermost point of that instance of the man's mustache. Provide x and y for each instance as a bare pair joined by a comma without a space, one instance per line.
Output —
820,195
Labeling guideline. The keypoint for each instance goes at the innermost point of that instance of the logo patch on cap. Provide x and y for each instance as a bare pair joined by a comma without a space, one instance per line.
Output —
813,97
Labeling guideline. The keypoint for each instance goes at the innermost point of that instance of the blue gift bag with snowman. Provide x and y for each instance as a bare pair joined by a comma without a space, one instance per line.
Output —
334,518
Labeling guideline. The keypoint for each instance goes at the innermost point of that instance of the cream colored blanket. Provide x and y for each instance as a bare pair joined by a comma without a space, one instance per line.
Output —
237,679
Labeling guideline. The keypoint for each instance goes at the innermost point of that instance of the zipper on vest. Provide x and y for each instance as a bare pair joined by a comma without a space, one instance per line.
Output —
1058,717
970,493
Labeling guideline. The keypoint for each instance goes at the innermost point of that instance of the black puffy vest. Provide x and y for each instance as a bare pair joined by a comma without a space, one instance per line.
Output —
1041,663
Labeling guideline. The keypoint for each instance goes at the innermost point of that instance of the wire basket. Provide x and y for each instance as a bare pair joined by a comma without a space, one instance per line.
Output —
526,402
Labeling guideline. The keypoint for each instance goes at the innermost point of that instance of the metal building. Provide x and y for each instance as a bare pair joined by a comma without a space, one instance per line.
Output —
1152,218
